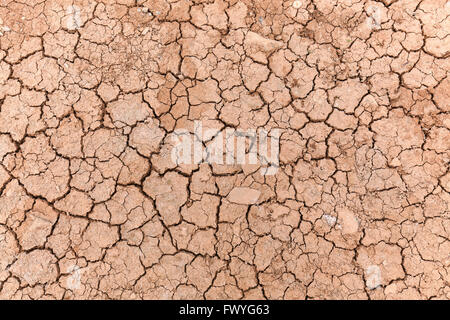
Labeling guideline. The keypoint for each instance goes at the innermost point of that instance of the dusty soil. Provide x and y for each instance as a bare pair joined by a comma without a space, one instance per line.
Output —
92,207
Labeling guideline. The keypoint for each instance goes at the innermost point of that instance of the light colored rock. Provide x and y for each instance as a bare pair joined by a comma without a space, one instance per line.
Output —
244,195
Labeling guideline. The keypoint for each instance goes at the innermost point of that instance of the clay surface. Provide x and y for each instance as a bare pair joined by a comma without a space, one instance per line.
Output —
93,207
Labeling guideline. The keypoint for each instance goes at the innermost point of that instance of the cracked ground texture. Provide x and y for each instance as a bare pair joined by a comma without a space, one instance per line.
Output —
92,207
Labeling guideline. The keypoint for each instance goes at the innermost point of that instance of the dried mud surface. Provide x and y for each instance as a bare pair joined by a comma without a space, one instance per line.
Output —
91,207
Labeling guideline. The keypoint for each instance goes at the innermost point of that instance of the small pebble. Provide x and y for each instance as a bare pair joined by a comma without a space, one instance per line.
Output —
6,29
330,219
145,9
145,31
297,4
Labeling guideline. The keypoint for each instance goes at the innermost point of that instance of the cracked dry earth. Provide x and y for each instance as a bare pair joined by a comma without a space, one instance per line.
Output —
92,207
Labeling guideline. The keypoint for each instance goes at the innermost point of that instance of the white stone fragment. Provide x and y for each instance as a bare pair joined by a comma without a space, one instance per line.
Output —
373,277
297,4
330,219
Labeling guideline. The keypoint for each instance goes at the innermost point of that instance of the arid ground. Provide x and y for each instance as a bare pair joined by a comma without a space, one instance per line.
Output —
357,201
